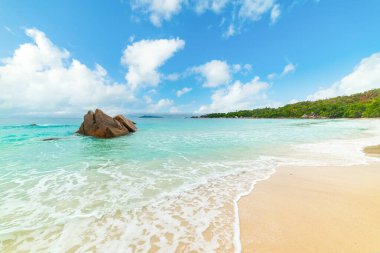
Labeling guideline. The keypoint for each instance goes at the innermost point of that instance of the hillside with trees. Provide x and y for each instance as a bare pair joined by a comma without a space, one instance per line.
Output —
361,105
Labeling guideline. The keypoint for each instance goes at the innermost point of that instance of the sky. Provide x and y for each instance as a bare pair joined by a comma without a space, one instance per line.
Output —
64,57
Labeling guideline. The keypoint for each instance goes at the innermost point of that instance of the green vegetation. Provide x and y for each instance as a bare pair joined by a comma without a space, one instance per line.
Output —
361,105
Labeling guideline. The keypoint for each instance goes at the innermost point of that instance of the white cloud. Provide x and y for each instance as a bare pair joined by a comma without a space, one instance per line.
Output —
230,31
152,91
172,77
294,3
42,78
242,69
293,101
214,5
236,68
131,38
237,96
240,10
365,76
147,99
144,57
161,105
289,68
271,76
215,73
275,13
248,67
254,9
158,9
174,109
251,10
183,91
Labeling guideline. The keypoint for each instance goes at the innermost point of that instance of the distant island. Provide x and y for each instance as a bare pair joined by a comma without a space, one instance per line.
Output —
150,117
360,105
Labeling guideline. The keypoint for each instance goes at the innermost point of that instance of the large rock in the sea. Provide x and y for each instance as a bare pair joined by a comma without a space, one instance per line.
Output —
126,122
101,125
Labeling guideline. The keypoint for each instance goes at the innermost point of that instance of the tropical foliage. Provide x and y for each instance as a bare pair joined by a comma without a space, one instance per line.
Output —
361,105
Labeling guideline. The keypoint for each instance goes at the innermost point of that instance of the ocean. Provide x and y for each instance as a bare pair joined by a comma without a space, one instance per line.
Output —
172,186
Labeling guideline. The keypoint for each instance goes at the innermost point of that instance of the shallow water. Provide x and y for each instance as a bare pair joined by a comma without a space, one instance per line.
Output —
171,186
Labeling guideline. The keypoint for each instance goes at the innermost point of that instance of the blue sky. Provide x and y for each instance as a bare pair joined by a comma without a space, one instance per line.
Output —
183,56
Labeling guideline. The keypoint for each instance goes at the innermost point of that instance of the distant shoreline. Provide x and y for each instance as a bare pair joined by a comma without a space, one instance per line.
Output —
201,117
360,105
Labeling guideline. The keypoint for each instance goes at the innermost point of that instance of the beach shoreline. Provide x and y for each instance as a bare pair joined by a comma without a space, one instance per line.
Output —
313,209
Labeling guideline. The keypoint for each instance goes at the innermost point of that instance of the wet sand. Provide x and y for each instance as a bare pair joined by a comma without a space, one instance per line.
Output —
373,150
313,210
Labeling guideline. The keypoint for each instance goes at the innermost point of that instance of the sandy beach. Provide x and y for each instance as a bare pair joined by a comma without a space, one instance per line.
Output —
373,150
313,209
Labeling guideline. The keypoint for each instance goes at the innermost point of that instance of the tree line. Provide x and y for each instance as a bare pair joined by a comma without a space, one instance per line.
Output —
361,105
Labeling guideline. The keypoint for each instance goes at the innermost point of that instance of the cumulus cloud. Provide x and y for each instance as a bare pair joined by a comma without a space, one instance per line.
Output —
162,104
245,11
365,76
144,57
158,10
147,99
236,68
42,78
164,10
254,9
215,73
183,91
231,31
247,67
289,68
237,96
275,13
214,5
271,76
242,69
172,77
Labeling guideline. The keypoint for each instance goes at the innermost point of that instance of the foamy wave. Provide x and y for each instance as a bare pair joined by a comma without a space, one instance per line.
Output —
340,152
204,213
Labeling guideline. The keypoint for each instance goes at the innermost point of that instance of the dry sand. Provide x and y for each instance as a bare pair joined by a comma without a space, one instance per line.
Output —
314,209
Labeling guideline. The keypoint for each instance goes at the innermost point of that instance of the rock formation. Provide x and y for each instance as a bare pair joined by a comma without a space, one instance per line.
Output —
101,125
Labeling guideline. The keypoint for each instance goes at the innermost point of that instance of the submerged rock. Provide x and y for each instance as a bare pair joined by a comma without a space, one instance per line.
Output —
101,125
51,139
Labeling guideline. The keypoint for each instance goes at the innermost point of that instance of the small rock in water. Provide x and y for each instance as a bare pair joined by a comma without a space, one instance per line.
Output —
51,139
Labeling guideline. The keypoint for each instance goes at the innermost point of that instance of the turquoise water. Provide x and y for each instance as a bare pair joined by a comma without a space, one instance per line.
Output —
165,187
